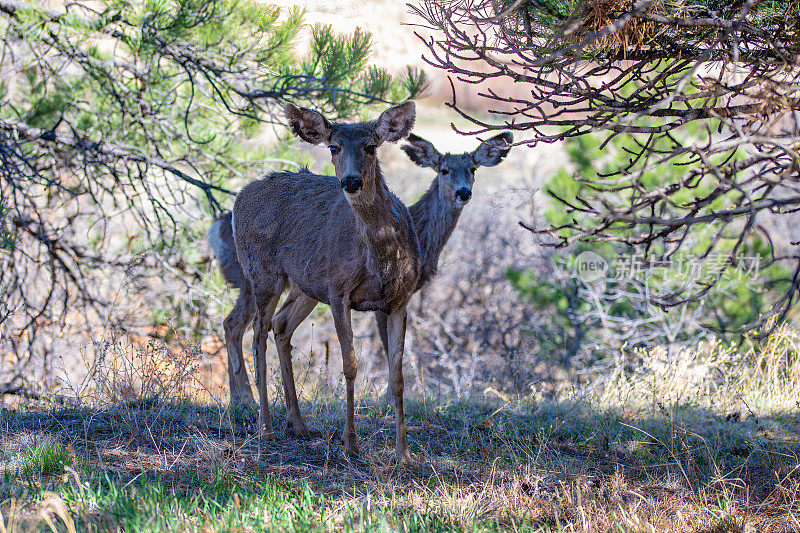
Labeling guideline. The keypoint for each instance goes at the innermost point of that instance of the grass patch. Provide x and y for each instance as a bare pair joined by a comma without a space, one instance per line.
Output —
706,440
517,465
47,457
160,503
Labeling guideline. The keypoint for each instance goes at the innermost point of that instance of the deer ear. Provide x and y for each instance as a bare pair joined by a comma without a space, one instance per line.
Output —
492,151
307,124
396,122
421,151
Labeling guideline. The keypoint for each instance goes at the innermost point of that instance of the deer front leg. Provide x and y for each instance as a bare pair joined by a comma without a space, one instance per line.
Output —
235,324
291,315
396,329
344,330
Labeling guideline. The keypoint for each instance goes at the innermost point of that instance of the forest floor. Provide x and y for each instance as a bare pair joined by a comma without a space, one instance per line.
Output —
508,465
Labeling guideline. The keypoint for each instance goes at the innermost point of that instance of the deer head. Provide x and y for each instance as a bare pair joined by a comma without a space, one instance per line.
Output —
353,146
456,172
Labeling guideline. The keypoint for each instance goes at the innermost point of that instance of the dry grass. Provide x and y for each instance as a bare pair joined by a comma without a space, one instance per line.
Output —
707,440
554,466
754,379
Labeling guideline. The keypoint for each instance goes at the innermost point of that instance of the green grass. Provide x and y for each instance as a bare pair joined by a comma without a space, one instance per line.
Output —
224,504
45,458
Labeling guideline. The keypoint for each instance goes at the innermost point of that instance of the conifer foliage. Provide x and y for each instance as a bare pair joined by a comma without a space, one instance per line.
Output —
122,123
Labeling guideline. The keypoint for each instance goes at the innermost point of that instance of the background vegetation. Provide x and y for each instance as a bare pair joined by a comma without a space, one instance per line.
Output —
699,99
122,125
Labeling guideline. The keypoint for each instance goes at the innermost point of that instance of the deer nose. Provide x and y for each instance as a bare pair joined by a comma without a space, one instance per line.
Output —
464,194
352,184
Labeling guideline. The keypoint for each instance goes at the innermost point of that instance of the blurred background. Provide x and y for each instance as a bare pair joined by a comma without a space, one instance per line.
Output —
506,315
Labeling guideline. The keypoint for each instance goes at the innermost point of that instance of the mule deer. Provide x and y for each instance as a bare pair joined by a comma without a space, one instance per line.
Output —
356,250
435,216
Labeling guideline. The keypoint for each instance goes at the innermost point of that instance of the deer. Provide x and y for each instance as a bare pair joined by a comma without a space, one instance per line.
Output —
345,240
435,216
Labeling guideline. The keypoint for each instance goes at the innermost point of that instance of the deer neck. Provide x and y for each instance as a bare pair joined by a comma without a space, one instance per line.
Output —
392,248
435,217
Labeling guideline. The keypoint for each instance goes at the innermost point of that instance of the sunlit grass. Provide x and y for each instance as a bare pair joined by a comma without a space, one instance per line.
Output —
45,458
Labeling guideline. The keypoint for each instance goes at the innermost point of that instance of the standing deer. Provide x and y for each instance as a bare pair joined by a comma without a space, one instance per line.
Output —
356,250
435,216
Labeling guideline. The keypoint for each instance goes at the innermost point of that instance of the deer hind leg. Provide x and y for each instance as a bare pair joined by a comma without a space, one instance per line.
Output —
266,300
396,329
297,307
381,319
235,324
344,330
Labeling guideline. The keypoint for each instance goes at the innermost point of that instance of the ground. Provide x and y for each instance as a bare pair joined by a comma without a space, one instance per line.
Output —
515,465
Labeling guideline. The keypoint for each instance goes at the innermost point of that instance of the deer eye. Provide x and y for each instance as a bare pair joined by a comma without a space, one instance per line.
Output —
335,149
444,171
370,149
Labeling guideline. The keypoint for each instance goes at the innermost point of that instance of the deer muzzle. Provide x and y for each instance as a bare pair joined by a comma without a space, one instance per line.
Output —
463,195
352,184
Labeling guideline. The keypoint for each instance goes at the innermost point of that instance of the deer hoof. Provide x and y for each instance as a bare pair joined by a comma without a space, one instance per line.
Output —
265,428
404,457
350,445
298,427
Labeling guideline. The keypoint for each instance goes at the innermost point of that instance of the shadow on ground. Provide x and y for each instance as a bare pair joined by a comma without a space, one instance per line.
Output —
498,466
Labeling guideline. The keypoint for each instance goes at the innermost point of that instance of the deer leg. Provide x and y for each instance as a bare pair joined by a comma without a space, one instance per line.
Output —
396,329
282,316
284,324
265,307
235,324
344,330
381,319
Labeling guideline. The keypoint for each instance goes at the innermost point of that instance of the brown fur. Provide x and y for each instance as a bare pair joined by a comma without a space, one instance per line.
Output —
434,216
328,247
355,250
